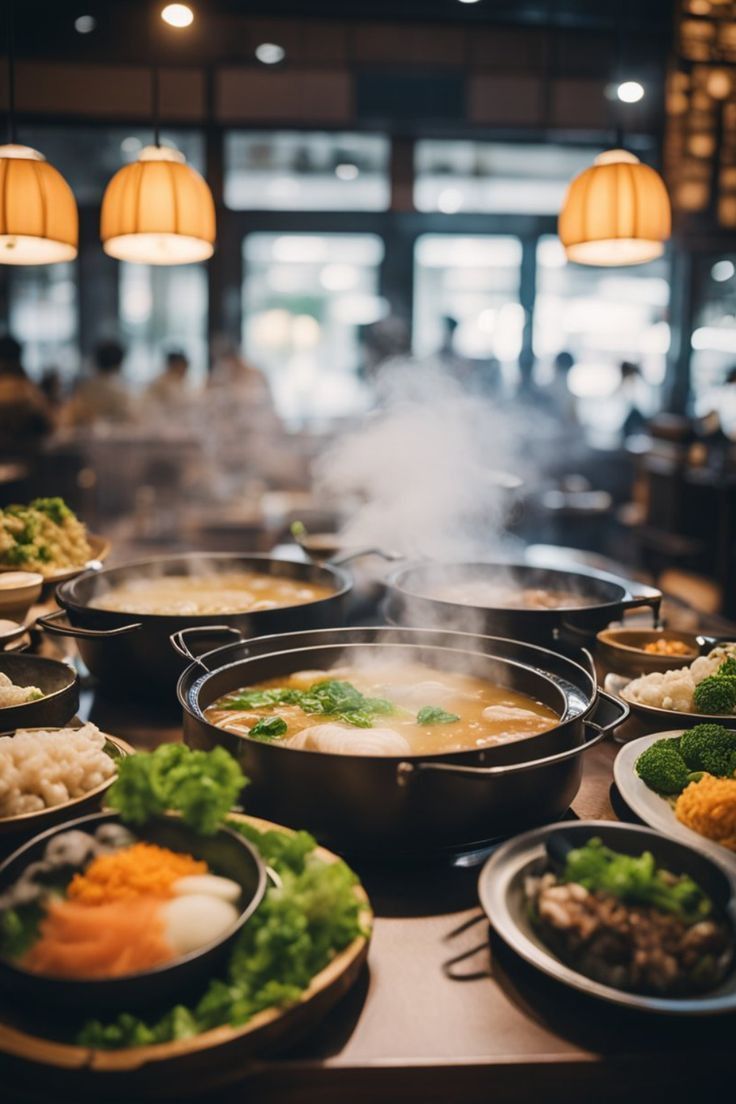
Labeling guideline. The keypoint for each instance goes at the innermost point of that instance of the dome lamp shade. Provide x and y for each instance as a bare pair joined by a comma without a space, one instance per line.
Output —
39,223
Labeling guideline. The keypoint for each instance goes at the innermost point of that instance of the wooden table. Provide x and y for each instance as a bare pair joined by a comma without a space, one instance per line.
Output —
411,1032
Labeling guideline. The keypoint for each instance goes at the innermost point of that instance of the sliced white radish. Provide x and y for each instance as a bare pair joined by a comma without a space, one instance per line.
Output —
196,919
211,885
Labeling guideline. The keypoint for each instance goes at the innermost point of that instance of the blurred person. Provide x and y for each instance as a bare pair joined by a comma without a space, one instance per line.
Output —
246,385
170,391
103,396
447,355
630,389
51,385
557,396
25,415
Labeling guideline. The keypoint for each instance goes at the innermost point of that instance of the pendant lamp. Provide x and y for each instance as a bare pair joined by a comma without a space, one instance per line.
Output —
617,212
158,210
38,213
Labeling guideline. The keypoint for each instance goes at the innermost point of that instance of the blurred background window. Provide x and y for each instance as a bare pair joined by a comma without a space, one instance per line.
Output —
306,298
714,339
161,309
473,281
43,317
602,317
495,177
295,171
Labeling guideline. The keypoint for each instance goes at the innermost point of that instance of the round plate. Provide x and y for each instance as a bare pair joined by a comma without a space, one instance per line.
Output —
617,684
207,1060
651,807
99,551
501,884
41,819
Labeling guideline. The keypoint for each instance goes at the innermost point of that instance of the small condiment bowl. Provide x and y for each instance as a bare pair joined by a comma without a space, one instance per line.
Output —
226,853
18,592
57,681
622,650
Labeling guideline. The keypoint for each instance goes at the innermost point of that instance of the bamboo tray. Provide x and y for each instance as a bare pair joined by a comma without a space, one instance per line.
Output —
186,1066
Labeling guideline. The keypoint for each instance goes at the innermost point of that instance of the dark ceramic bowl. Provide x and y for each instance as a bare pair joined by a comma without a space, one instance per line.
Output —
622,650
57,681
226,853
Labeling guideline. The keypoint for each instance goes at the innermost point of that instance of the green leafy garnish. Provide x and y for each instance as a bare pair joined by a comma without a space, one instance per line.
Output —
19,929
327,698
636,879
298,928
201,785
268,728
432,714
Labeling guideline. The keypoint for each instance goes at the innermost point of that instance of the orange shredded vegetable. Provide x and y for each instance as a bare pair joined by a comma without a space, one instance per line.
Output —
114,939
140,870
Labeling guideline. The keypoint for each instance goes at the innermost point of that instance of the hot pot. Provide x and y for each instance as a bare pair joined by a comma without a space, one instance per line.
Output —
131,652
409,601
388,805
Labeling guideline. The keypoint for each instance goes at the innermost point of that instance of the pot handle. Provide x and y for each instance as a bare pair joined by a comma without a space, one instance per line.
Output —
48,622
358,553
609,713
644,596
179,640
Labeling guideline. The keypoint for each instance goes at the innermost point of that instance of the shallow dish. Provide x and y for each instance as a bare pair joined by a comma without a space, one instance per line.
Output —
58,682
651,807
622,650
666,717
18,591
25,825
99,551
500,888
226,853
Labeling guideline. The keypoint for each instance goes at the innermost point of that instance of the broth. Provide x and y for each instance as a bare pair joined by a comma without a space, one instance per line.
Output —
492,595
229,592
482,714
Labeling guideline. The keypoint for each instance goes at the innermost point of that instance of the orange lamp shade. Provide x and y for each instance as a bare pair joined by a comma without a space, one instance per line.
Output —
158,210
617,212
38,213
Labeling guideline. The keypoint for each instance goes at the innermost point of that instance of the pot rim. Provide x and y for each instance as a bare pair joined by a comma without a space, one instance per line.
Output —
185,695
67,599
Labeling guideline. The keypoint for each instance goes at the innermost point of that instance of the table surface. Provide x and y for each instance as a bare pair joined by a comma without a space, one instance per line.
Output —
410,1031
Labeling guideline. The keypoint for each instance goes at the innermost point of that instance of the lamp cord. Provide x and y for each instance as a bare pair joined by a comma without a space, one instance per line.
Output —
156,105
618,139
12,134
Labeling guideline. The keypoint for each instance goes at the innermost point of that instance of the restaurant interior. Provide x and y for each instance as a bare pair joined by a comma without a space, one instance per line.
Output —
367,547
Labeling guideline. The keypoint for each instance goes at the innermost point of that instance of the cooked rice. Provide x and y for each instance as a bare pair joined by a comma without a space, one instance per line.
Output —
709,807
46,768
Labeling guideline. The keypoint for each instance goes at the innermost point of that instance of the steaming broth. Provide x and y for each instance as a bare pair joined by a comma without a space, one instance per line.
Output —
483,714
483,592
230,592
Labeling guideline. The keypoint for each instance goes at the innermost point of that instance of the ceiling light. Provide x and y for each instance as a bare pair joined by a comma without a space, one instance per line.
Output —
468,1
270,53
85,24
178,15
630,91
347,171
722,271
158,210
617,212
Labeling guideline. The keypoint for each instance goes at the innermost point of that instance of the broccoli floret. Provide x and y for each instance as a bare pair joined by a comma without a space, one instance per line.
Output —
54,508
727,668
662,768
716,694
709,747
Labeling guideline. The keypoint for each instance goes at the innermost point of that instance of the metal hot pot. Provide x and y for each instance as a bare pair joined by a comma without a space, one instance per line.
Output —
411,804
131,652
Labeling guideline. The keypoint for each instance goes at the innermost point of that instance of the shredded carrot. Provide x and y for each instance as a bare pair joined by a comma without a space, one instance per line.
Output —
709,807
107,941
142,869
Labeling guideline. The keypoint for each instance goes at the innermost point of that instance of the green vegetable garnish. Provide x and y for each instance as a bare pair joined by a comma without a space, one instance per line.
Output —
298,928
201,785
711,748
19,929
268,728
328,697
636,880
727,668
432,714
716,694
662,768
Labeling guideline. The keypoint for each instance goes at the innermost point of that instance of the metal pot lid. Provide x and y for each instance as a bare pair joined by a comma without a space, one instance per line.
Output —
500,888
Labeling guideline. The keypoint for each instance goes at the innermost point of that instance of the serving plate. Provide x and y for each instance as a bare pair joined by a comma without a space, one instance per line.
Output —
30,824
500,888
654,810
650,714
175,1069
99,551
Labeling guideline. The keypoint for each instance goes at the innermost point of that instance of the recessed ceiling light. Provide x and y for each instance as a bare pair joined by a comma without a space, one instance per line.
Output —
270,53
630,91
347,171
178,15
468,1
85,24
